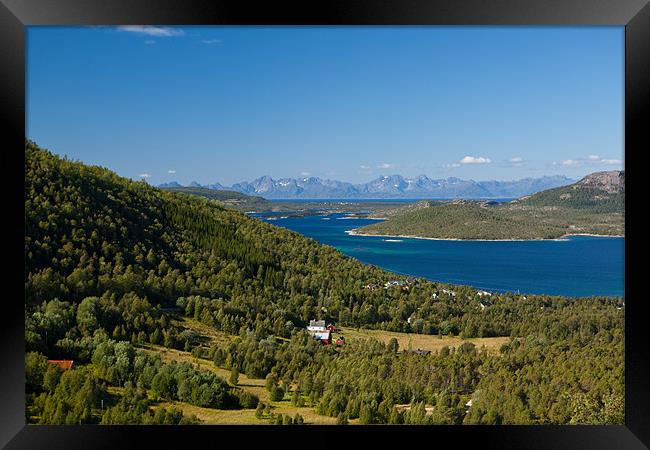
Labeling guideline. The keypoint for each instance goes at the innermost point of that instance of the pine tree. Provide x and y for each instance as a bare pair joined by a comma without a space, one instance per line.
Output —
259,411
234,375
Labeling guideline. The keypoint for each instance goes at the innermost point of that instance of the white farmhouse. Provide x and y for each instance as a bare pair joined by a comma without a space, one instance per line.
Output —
316,326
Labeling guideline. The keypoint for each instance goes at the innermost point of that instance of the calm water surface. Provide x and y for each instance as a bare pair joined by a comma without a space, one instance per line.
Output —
577,266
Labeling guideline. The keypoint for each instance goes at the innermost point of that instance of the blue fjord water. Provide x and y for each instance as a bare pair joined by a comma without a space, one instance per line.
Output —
578,266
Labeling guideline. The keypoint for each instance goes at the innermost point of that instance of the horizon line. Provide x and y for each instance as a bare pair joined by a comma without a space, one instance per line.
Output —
387,176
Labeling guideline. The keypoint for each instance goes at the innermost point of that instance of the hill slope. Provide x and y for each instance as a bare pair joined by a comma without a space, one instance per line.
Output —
237,200
602,192
88,230
593,205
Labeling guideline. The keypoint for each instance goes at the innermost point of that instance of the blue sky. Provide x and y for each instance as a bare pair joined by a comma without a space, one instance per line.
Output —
226,104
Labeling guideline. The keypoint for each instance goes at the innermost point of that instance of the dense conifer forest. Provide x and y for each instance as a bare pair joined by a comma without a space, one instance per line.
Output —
112,266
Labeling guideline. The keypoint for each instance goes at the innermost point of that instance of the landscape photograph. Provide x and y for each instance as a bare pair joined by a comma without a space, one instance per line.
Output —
277,225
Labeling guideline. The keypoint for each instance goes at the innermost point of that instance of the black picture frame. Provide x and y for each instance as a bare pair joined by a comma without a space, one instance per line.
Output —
15,15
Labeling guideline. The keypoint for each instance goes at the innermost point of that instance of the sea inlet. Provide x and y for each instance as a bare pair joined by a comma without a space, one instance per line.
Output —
576,266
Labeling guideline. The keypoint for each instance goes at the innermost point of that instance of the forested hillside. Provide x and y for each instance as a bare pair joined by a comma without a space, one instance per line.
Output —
593,205
111,265
600,192
234,199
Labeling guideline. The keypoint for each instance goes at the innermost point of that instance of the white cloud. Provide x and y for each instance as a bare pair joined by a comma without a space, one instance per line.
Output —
305,174
475,160
212,41
515,161
612,162
171,171
364,167
144,175
591,160
386,166
451,166
152,30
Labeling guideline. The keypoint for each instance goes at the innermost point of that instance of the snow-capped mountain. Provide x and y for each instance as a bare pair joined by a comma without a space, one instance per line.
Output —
391,186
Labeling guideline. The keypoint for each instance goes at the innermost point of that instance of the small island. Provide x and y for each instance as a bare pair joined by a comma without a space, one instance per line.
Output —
595,205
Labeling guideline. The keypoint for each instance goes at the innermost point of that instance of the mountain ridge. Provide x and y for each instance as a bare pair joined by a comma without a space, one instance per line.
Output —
386,186
599,191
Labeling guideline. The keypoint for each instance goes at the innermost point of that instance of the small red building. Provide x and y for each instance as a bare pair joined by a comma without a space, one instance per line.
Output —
330,327
340,341
64,364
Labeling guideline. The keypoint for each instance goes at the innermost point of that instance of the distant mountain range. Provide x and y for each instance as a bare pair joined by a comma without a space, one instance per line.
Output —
386,187
593,205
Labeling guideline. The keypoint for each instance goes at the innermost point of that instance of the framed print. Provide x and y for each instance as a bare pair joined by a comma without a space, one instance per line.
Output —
368,220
